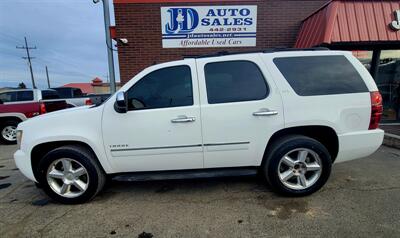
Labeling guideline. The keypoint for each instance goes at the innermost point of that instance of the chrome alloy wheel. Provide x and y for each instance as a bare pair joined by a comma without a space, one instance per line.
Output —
9,133
300,168
67,177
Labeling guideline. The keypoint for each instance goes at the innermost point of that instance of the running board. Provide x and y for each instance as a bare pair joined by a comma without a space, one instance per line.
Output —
186,174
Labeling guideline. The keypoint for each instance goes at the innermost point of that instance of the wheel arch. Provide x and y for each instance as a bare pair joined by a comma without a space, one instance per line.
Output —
324,134
4,118
40,150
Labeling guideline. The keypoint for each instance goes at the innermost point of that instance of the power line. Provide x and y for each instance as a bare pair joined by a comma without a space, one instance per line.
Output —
69,68
27,48
10,37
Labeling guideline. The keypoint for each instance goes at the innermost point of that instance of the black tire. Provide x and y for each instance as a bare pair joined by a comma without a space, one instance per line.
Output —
280,148
95,173
3,125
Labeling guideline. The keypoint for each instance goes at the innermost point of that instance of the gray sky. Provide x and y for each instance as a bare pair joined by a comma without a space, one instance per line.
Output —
69,36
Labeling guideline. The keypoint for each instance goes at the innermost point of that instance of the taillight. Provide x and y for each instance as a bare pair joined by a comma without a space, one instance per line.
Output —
42,108
88,102
376,110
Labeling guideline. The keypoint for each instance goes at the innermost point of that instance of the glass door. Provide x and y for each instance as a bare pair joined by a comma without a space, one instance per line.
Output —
388,81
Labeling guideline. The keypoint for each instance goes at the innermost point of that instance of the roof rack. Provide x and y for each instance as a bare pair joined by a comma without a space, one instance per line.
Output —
268,50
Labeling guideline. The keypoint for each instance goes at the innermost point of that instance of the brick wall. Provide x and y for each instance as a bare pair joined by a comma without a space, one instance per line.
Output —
278,23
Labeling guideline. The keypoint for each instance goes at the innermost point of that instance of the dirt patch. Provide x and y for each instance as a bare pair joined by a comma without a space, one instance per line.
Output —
285,208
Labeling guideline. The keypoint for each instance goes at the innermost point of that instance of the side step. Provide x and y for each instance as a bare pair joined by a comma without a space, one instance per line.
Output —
186,174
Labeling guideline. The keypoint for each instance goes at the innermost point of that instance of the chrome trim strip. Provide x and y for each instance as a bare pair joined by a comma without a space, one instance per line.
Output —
157,148
231,143
180,146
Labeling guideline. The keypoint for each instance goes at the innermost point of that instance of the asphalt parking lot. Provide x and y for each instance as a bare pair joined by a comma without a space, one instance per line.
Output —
361,199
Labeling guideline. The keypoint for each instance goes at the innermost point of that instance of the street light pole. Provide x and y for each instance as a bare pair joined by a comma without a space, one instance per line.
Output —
109,44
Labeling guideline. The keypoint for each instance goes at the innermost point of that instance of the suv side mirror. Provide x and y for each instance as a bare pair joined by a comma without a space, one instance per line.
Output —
121,105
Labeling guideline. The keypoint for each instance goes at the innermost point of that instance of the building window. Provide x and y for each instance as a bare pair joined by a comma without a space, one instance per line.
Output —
388,81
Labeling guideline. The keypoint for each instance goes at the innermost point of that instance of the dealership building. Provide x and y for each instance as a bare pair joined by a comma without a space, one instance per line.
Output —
165,30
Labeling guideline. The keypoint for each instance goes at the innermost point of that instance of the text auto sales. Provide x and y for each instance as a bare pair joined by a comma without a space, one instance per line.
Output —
241,20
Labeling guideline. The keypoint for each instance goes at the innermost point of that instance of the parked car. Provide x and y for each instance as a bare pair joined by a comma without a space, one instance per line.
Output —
288,115
19,105
73,96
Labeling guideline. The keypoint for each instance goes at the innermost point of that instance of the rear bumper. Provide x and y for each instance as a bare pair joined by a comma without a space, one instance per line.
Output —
359,144
23,162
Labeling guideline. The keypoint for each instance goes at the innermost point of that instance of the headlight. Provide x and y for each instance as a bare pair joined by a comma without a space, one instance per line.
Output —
19,137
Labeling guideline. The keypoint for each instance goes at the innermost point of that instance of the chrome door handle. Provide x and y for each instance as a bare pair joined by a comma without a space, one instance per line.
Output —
183,118
265,112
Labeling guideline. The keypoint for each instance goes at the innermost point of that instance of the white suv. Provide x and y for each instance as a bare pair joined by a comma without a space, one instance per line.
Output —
288,115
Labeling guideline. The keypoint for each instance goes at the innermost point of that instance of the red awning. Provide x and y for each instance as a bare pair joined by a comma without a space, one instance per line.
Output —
341,21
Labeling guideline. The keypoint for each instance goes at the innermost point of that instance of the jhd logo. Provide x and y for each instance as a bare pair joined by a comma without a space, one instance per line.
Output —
182,20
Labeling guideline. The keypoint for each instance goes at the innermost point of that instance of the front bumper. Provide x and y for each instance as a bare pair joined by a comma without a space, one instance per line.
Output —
23,162
359,144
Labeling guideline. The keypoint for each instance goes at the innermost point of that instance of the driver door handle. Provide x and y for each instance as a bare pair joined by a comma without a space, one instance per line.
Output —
183,119
265,112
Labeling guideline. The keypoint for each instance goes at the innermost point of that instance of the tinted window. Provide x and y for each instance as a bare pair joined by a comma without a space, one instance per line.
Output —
64,92
77,92
49,94
24,96
8,97
234,81
168,87
319,75
16,96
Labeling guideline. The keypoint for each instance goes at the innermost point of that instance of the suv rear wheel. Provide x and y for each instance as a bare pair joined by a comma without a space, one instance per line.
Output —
70,175
8,130
297,165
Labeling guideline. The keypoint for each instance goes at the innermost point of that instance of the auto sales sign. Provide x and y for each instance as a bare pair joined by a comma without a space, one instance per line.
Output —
209,26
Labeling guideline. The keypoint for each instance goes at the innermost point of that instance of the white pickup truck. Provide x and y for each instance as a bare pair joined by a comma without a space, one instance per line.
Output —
288,115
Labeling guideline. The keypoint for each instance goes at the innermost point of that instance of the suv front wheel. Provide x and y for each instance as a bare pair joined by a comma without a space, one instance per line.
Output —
297,165
71,175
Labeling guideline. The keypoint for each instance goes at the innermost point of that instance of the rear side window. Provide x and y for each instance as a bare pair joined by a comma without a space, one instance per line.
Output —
77,92
321,75
234,81
50,94
64,92
24,96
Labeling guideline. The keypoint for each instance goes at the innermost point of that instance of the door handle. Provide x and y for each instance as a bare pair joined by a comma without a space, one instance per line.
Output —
182,119
265,112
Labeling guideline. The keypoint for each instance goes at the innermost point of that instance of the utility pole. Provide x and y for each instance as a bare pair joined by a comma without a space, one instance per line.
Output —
109,44
47,75
27,48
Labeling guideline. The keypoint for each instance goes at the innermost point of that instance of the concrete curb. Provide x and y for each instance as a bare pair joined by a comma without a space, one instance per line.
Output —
391,140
